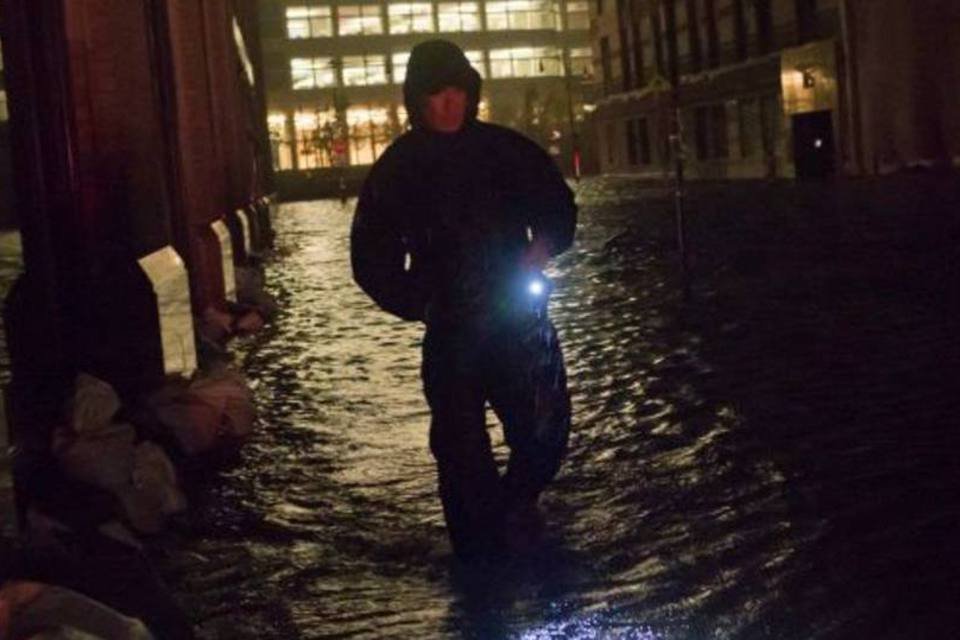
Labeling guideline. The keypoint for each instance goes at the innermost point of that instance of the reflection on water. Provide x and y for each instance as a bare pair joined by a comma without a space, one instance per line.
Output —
673,516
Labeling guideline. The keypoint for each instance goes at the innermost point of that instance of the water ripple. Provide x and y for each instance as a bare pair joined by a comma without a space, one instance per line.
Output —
673,516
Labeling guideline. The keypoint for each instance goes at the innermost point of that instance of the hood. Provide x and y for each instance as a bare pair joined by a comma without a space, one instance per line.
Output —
435,64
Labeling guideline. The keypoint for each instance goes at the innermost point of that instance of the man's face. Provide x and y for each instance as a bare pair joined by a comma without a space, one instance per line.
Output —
445,110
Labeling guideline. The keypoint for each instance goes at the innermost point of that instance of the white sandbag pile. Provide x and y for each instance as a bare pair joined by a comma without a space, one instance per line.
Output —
97,450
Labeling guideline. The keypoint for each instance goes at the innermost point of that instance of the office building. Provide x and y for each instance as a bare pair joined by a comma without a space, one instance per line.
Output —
334,71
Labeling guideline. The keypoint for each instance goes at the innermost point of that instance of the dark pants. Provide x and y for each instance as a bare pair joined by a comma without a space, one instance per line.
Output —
518,369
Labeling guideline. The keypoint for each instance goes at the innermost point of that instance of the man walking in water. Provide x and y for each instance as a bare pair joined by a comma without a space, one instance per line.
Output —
453,226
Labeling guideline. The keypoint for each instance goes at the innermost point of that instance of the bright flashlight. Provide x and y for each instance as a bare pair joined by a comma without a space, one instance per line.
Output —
535,287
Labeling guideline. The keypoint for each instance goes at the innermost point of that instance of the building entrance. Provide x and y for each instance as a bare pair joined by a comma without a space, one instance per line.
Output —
813,151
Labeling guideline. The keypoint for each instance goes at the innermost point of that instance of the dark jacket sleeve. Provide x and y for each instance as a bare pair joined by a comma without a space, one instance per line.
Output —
550,202
378,251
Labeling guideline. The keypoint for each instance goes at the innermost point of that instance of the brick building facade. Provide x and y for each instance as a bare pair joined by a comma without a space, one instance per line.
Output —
775,88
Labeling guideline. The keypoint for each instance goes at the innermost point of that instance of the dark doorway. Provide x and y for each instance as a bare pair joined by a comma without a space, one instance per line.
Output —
813,152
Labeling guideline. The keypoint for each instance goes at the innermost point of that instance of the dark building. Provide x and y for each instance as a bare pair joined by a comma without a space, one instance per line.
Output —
334,71
776,88
724,57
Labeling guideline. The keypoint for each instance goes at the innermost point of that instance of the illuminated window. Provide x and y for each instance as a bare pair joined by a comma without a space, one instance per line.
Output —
483,110
359,19
458,16
578,15
399,61
525,62
483,113
411,17
370,130
281,143
4,112
309,22
476,61
581,61
360,71
520,14
315,137
312,73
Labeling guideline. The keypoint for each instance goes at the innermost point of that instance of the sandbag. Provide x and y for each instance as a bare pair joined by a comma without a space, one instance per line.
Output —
215,411
228,389
105,454
140,475
153,492
249,322
215,325
103,458
55,612
194,423
92,405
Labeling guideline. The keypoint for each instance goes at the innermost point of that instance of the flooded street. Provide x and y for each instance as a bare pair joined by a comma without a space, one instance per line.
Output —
675,515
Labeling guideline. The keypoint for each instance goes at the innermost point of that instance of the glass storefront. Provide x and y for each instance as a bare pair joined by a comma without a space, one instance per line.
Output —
281,142
370,130
314,134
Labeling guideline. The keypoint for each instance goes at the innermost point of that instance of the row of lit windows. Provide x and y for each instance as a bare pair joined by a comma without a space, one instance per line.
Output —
418,17
312,139
366,70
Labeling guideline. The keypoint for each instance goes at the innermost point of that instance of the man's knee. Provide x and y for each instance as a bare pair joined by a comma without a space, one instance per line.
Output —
458,437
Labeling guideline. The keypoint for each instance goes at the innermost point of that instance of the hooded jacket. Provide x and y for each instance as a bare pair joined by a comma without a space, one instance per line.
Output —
444,219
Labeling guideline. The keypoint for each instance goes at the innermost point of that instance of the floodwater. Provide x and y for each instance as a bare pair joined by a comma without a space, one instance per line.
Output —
675,516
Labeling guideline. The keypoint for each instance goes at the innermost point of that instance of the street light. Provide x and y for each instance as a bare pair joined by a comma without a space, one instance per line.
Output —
669,20
574,137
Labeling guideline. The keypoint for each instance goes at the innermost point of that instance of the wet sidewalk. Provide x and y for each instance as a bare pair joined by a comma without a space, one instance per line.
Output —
772,458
